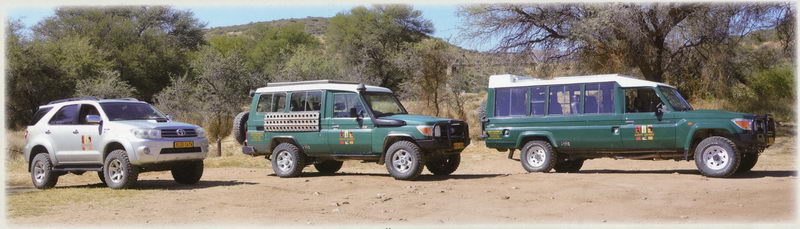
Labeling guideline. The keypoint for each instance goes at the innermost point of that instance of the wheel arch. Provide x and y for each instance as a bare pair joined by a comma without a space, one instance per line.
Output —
277,140
391,139
37,149
527,136
698,134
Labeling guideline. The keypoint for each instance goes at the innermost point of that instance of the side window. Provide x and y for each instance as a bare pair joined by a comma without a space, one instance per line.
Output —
344,103
599,98
565,99
65,116
86,109
39,115
538,100
272,102
510,101
264,103
639,100
306,101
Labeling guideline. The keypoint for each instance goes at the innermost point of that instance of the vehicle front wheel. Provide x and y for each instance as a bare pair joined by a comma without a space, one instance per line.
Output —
42,173
749,161
569,166
287,160
538,156
445,165
188,172
404,160
717,157
328,166
118,171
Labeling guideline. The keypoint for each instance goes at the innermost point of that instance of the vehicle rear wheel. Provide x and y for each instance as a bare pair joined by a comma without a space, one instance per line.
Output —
717,157
287,160
404,160
118,171
42,173
328,166
240,127
188,172
445,165
569,166
538,156
749,161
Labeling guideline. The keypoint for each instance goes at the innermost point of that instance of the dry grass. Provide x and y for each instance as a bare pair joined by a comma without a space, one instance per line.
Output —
45,202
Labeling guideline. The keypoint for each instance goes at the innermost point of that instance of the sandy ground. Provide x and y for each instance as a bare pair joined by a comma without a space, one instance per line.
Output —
487,188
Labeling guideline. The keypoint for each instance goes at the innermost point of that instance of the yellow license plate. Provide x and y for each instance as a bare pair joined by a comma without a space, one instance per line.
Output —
458,145
184,144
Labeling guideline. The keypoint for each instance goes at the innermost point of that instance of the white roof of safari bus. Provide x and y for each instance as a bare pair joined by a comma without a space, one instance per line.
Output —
499,81
317,85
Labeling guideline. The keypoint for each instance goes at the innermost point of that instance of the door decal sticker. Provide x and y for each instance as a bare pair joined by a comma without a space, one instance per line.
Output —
643,132
86,142
346,137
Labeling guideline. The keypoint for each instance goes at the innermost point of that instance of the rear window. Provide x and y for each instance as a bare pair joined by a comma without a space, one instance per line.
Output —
272,102
510,101
39,114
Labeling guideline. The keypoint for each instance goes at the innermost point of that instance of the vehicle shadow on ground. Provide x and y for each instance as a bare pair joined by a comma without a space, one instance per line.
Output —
168,185
424,177
745,175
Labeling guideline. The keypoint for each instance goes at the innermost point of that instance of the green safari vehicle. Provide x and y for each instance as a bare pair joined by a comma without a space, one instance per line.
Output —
560,123
324,122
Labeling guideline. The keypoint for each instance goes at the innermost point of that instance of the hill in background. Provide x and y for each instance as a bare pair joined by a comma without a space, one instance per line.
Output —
313,25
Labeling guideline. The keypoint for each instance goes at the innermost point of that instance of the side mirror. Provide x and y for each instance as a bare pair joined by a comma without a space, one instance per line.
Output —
93,119
169,117
660,111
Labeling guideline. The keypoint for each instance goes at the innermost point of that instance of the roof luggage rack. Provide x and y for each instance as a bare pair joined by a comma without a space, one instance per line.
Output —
309,82
74,99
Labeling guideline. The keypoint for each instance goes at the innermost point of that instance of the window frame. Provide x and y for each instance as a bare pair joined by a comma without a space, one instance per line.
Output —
75,119
271,102
357,98
305,95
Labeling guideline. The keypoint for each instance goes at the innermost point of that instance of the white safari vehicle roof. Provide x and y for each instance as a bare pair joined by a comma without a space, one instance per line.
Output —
317,85
500,81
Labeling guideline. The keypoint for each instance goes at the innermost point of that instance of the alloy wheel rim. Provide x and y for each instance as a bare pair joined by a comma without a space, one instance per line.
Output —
536,156
284,161
716,157
401,161
38,172
116,171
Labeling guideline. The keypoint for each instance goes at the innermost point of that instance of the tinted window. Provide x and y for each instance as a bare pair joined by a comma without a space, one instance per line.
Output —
118,111
675,99
39,114
306,101
599,98
344,103
565,99
86,109
510,101
538,100
640,100
66,115
271,102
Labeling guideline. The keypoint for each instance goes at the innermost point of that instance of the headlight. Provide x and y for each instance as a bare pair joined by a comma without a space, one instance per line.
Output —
745,124
200,132
146,133
425,130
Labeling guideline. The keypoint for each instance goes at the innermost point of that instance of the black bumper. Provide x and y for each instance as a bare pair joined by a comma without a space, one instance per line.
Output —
761,136
449,136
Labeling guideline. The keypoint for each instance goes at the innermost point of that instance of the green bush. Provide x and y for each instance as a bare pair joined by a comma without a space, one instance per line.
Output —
769,91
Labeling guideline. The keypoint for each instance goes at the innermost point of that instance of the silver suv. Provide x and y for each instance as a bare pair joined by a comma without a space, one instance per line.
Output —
118,138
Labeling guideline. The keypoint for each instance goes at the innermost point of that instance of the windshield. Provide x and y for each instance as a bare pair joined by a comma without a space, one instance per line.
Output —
384,104
119,111
675,99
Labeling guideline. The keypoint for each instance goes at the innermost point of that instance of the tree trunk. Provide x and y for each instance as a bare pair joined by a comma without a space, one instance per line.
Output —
219,138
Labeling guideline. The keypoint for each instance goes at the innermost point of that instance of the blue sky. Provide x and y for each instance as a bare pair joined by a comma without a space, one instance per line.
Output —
443,16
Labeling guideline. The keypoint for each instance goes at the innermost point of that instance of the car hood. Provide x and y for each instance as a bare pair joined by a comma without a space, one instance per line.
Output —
154,124
415,119
714,114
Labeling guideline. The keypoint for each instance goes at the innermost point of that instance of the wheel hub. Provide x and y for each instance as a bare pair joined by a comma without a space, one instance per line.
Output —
38,172
285,161
716,157
401,161
536,156
116,171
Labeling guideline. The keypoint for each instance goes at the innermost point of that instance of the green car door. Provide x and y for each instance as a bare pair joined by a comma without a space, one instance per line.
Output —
643,129
348,127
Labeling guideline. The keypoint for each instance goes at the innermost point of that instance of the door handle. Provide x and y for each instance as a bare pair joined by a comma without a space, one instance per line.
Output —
628,122
75,132
335,127
47,132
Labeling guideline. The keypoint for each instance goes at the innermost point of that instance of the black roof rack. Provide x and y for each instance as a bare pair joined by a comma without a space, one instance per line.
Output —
74,99
309,82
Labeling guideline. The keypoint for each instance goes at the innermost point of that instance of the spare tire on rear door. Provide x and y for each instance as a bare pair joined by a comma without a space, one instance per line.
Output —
240,127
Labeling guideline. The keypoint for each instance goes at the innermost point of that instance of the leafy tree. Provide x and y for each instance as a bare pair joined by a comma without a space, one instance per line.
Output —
309,63
426,63
367,38
108,85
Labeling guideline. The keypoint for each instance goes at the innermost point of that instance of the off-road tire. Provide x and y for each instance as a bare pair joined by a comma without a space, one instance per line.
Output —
129,175
721,145
548,156
188,172
569,166
102,178
240,127
749,161
48,178
445,165
409,159
294,159
328,166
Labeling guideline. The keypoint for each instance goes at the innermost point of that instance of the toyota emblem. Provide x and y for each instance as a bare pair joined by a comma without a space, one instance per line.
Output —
180,132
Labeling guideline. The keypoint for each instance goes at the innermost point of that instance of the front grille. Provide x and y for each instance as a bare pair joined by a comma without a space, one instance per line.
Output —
764,127
174,133
452,129
180,150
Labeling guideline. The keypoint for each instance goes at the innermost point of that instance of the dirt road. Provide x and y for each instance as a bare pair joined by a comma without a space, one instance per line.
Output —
487,188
